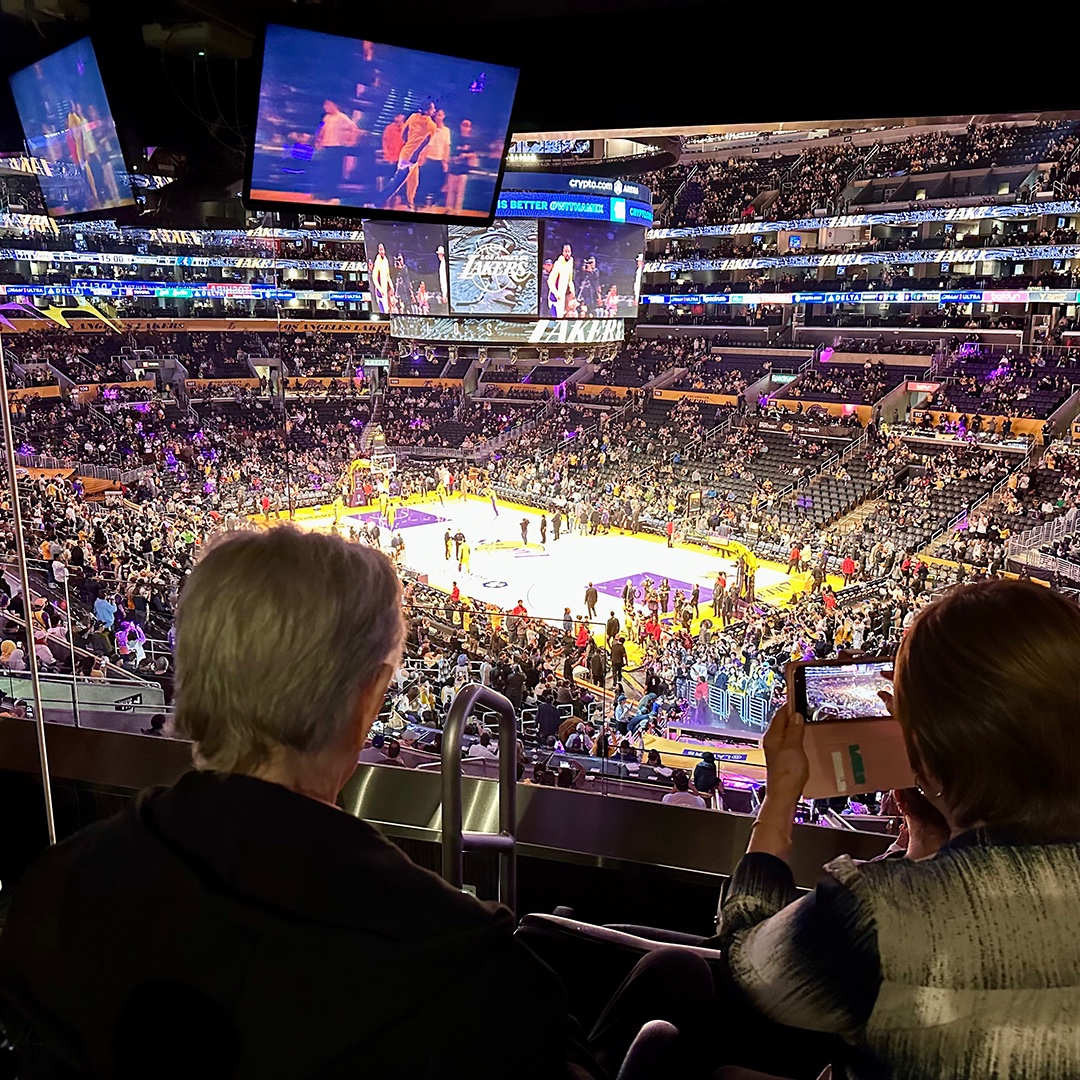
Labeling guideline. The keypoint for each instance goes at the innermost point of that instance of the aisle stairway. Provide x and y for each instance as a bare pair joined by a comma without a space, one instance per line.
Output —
854,521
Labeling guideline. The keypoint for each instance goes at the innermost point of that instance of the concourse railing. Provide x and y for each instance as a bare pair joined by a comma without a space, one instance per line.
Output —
454,841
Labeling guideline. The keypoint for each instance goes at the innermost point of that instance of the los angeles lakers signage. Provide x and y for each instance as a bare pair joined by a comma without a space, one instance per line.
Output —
505,331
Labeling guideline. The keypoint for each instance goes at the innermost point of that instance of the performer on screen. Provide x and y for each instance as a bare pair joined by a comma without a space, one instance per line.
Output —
436,158
403,290
462,163
611,302
76,140
444,290
104,131
382,287
336,136
392,142
561,283
587,287
416,134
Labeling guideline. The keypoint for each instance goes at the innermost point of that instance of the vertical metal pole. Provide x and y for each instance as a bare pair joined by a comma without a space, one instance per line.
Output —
285,417
454,840
24,582
71,646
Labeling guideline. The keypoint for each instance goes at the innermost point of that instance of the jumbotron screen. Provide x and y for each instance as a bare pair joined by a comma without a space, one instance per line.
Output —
407,267
390,131
514,268
69,126
591,270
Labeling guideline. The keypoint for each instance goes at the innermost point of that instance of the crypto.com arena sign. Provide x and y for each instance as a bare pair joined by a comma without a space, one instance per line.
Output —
481,331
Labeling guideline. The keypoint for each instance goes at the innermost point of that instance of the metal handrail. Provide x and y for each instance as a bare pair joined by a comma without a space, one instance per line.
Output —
1043,534
677,195
1065,568
860,168
454,841
837,821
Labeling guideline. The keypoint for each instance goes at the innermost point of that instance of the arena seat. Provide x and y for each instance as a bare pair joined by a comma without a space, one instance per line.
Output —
593,960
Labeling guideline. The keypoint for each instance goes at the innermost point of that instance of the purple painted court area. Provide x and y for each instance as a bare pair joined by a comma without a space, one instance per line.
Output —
404,518
615,586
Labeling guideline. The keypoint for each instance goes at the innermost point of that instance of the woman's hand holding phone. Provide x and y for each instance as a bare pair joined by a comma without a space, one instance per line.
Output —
786,771
786,764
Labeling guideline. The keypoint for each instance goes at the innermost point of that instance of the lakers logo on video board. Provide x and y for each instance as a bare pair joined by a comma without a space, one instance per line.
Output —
493,270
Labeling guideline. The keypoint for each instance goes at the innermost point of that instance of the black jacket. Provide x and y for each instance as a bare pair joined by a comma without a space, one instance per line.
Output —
227,927
548,719
515,686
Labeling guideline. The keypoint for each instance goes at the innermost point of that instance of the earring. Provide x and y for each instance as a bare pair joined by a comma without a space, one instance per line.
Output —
919,788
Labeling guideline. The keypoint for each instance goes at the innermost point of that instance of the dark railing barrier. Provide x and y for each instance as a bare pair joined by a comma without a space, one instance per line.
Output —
454,841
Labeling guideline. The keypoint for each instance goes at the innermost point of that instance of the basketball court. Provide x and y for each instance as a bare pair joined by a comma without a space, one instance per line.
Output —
546,577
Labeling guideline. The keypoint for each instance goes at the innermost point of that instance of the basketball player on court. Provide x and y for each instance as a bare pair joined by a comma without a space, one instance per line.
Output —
561,283
382,286
417,134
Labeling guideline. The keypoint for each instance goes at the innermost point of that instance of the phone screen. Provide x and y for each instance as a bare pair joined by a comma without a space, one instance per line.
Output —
842,691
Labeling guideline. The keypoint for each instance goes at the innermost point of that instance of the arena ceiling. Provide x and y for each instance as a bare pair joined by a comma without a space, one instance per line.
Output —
597,66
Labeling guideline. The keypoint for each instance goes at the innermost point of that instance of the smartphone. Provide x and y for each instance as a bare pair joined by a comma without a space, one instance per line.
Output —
839,689
851,742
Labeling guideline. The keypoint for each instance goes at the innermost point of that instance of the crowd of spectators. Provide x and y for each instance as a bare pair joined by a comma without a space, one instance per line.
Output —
624,469
441,417
84,358
1016,385
807,178
853,383
722,374
815,182
1031,498
316,353
980,146
643,358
